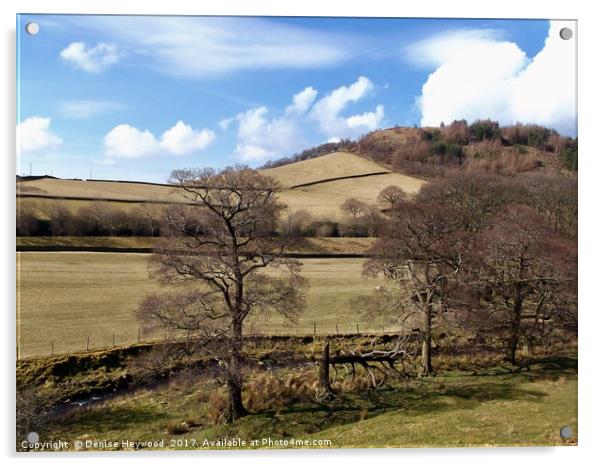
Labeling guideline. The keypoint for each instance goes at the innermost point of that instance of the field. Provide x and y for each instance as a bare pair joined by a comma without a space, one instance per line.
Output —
65,297
494,407
335,165
321,200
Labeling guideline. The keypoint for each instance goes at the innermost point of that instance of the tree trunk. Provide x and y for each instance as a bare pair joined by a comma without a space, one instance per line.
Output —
514,330
427,367
235,408
325,368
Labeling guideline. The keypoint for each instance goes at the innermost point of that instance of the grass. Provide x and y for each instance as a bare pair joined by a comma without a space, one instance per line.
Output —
65,297
337,164
451,410
323,245
322,201
98,190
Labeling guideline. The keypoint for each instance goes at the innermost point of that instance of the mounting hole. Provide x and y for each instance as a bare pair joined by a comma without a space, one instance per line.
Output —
566,432
566,33
32,28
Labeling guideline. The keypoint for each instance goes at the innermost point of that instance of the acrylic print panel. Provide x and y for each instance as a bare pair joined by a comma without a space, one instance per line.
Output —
247,232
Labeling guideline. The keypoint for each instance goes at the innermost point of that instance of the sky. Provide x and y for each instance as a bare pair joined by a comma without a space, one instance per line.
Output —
135,97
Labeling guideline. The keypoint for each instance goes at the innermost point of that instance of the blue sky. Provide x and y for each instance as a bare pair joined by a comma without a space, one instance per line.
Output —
131,97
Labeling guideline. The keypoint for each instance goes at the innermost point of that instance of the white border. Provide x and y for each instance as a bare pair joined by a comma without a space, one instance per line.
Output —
590,136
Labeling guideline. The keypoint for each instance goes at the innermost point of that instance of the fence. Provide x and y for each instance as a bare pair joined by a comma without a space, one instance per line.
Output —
103,341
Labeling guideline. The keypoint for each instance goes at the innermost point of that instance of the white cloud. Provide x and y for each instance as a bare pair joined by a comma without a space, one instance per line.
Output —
198,47
479,76
34,134
80,109
327,111
260,138
129,142
91,59
182,139
302,101
225,123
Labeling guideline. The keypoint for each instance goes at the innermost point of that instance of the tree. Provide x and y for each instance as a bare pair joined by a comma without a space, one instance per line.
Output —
296,222
420,250
221,258
521,272
473,198
59,217
390,196
353,207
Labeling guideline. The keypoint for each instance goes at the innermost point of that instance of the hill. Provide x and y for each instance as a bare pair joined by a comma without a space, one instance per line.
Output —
318,186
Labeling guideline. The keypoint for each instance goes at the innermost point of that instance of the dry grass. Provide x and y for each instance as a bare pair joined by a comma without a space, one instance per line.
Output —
322,201
65,297
335,165
100,190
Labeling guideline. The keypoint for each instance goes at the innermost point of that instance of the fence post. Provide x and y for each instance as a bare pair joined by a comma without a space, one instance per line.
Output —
357,328
337,326
314,328
88,343
51,347
113,340
138,334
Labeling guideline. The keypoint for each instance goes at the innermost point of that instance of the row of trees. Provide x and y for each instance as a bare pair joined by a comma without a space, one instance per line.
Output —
484,253
97,218
495,257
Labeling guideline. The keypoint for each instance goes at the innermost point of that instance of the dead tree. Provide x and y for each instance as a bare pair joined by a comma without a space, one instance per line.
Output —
386,362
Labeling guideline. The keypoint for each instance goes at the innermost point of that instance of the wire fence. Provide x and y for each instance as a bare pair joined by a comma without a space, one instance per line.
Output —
104,341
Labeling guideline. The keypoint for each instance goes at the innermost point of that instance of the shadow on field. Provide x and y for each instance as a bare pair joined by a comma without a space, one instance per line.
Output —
110,419
544,368
417,399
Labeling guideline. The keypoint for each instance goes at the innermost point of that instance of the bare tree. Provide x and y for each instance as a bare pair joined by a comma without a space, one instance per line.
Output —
524,275
390,196
59,216
420,251
221,259
296,222
353,207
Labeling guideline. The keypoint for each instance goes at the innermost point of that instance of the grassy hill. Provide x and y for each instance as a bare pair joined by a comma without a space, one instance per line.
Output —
318,185
335,165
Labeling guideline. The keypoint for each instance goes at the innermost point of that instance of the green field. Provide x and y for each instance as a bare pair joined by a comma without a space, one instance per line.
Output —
65,297
494,408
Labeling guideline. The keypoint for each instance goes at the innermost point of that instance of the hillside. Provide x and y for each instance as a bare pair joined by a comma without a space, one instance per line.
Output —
335,165
318,185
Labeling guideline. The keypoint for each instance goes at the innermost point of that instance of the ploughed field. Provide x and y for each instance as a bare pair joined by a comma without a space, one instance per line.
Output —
72,301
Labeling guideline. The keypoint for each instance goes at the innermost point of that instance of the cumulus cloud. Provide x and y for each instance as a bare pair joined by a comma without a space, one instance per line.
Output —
261,137
91,59
302,101
80,109
327,111
478,75
34,134
182,139
129,142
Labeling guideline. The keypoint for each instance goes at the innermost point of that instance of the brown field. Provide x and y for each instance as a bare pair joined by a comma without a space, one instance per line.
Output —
65,297
335,165
321,200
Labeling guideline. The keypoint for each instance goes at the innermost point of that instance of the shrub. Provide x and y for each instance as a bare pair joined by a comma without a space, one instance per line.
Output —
177,428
